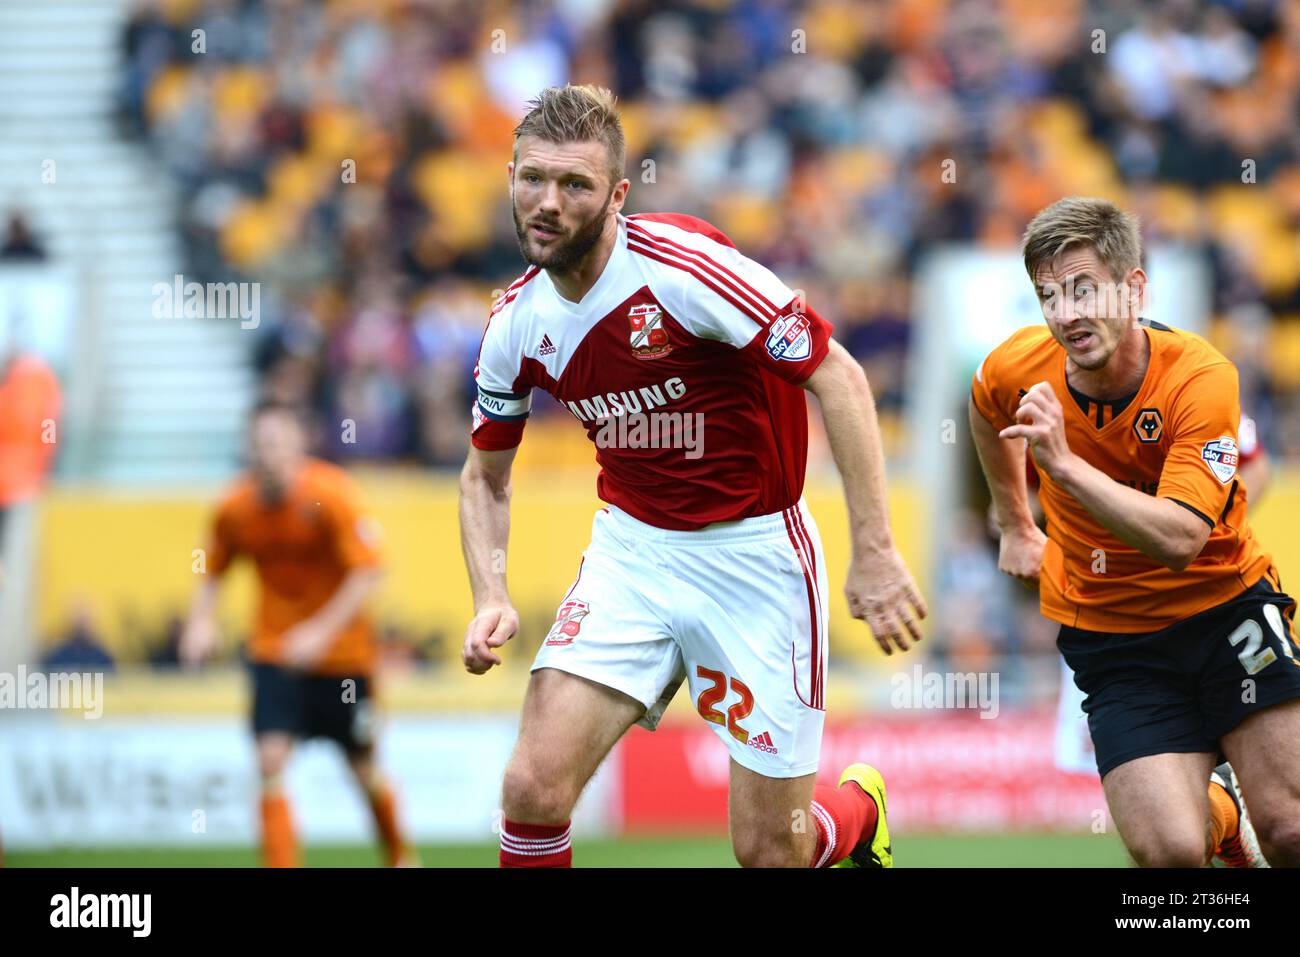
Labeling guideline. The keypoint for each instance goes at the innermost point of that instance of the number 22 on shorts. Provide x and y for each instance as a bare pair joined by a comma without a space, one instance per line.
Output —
712,695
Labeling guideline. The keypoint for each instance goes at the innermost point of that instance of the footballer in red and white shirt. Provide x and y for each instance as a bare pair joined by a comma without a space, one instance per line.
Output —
687,364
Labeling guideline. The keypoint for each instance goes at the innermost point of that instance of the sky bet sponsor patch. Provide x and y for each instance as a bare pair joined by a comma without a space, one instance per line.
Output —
1221,456
789,338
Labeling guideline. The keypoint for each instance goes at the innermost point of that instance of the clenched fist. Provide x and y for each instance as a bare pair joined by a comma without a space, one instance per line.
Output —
494,625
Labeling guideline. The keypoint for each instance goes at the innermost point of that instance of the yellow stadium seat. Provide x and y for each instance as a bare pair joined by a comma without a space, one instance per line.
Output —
836,29
1250,218
1178,210
635,126
691,121
1285,187
297,180
1222,334
1284,352
459,189
168,93
179,12
252,234
239,91
1242,209
859,171
456,95
1058,121
747,220
334,132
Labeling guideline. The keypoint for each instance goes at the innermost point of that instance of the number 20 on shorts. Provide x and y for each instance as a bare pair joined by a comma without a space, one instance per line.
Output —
1251,658
716,692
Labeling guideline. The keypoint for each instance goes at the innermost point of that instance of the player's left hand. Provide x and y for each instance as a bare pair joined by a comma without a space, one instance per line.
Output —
881,592
305,644
1041,420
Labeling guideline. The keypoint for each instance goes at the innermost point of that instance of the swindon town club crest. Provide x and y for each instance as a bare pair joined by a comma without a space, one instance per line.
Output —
568,621
648,335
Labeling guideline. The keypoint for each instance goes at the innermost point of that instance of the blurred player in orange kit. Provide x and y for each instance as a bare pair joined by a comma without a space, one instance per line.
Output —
30,400
1173,618
30,403
312,653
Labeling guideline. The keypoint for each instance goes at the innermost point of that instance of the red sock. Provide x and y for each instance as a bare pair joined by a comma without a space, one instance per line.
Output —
535,845
844,816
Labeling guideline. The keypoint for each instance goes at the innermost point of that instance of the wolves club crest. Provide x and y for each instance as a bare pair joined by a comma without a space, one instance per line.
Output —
648,336
568,621
1148,425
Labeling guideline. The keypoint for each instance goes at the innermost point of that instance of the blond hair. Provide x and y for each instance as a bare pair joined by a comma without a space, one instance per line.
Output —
569,114
1079,221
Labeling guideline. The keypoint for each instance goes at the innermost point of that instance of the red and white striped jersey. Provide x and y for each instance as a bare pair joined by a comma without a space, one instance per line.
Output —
679,331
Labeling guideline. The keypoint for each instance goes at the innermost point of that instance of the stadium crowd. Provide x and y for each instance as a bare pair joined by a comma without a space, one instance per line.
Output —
349,155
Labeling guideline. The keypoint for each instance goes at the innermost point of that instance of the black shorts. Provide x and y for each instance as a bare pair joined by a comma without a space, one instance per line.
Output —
1184,687
313,706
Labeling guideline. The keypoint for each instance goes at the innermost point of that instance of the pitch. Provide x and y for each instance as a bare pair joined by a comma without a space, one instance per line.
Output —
916,850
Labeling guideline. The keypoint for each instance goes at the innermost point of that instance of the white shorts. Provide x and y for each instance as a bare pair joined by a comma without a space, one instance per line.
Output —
738,609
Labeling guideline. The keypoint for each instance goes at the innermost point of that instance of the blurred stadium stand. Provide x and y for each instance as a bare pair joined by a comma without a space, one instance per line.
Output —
820,163
157,401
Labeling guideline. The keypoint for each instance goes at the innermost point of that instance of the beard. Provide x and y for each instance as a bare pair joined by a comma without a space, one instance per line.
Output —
563,255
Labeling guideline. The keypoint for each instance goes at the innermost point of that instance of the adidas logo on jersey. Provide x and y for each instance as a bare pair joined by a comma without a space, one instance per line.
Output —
763,742
547,348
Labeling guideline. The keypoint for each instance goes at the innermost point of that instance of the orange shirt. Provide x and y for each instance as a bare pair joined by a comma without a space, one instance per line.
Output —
29,403
1177,439
303,548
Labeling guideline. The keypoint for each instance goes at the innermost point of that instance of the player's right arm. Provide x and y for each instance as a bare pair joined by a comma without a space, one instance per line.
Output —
484,533
1020,550
199,638
501,408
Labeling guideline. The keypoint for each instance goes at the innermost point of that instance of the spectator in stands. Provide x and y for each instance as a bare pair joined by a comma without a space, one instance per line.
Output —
19,243
79,648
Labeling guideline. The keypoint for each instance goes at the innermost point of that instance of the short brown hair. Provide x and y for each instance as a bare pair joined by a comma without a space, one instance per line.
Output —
271,406
568,114
1079,221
